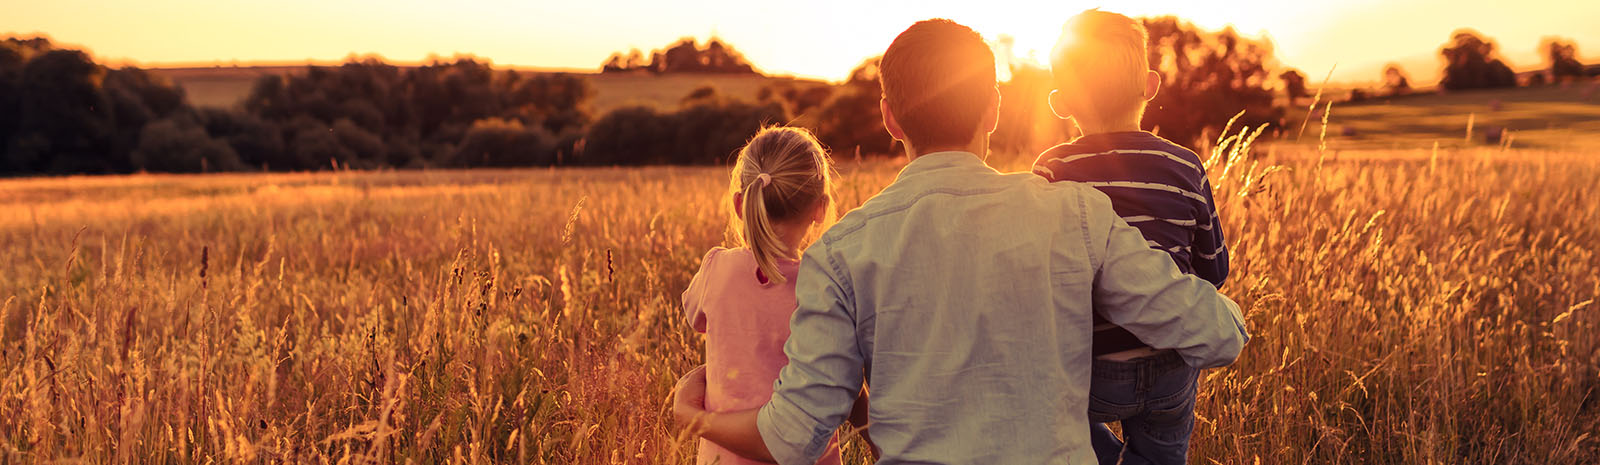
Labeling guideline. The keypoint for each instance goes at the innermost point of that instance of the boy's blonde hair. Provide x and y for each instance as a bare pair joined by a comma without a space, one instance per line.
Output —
782,172
1100,63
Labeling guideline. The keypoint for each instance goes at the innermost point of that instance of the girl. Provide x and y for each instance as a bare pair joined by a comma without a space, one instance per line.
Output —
742,297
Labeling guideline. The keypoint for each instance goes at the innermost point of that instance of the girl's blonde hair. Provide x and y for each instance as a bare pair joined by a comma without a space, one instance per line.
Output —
782,173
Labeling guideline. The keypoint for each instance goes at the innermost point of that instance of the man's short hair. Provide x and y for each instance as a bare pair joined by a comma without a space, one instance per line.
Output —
938,79
1101,61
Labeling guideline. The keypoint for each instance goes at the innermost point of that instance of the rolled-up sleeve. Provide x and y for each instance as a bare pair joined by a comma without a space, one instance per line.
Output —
1141,290
814,392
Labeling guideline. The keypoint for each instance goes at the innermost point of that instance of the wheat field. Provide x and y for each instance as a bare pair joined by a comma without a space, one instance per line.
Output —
1407,307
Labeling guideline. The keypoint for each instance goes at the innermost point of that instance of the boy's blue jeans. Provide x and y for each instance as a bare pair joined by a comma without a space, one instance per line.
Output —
1153,397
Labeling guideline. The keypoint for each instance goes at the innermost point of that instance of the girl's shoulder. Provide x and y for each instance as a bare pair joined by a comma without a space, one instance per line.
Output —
722,258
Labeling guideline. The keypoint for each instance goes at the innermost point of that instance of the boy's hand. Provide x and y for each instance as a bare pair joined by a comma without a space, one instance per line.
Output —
689,396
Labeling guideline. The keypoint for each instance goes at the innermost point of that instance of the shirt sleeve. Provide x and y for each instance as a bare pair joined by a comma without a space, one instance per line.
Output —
695,296
1208,255
815,391
1142,290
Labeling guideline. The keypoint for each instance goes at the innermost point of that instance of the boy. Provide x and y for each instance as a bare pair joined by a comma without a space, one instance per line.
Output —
1103,81
969,312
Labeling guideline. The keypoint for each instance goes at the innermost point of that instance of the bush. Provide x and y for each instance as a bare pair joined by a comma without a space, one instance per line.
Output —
851,121
629,135
182,146
258,142
498,142
703,132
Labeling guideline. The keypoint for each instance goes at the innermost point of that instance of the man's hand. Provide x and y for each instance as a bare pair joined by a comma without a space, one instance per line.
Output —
735,431
689,396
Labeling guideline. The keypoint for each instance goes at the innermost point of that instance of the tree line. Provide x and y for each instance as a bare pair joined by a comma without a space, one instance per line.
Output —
1471,62
62,113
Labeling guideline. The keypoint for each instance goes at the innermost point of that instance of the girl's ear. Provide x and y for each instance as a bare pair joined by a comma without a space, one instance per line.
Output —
819,213
738,205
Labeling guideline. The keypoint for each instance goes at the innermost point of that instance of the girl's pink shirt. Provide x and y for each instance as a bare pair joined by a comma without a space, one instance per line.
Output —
746,323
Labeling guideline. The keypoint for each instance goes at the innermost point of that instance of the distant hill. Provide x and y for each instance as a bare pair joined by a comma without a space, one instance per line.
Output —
225,87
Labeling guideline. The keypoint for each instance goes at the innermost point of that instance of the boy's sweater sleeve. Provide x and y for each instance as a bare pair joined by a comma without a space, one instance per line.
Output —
1208,254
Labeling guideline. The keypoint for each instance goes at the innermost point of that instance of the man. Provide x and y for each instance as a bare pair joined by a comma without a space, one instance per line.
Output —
964,295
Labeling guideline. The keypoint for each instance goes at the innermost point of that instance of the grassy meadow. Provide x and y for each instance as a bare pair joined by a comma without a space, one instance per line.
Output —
1557,117
1407,307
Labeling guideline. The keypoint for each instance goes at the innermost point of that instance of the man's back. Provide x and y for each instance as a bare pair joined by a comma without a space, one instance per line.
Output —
967,296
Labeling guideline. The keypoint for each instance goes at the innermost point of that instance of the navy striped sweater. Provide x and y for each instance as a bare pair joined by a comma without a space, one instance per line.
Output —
1156,186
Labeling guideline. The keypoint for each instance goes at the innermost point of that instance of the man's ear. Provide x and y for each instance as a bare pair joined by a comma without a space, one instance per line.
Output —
738,204
1152,84
991,116
889,122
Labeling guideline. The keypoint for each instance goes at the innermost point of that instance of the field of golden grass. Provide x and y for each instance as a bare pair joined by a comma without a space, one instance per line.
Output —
1406,307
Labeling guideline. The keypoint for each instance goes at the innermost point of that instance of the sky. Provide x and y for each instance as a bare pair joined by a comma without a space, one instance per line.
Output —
816,39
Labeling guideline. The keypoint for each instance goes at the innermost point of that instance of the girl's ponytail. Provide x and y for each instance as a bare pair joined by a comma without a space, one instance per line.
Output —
759,235
782,174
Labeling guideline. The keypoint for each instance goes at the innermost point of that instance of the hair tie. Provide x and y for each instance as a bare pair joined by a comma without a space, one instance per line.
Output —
765,179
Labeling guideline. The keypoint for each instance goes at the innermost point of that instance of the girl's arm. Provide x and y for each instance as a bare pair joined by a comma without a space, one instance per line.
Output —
694,296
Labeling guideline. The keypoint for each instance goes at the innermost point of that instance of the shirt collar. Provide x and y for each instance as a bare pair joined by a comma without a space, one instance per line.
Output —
941,160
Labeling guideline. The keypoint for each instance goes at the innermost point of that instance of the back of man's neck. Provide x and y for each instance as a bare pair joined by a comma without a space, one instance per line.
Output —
914,153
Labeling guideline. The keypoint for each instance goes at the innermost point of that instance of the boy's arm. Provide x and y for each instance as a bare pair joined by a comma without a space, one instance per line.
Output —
1142,290
1208,256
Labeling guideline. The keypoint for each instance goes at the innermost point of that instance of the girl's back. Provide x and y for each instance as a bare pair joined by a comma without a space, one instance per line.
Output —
745,317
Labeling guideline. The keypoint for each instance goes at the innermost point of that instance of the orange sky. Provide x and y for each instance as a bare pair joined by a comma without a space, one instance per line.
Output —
821,39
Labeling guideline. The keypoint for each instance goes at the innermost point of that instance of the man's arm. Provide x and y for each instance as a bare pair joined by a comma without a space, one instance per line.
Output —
1142,290
735,431
813,393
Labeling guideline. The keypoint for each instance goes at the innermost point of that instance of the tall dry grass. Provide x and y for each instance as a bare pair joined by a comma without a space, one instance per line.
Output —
1406,308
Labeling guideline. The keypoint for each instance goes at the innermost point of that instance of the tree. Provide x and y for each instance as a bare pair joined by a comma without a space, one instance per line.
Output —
1562,57
63,125
1205,79
1395,82
684,56
1471,63
851,121
1294,85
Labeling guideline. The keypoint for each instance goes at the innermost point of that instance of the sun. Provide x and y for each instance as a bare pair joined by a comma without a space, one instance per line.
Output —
1028,41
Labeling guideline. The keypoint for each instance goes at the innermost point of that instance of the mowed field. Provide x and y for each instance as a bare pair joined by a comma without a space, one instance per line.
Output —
1417,309
1561,117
